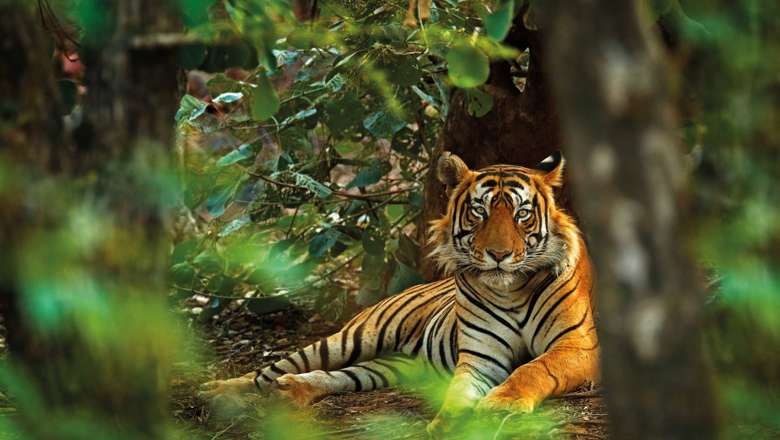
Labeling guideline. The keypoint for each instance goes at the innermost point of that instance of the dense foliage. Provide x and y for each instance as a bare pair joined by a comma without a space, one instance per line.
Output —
315,159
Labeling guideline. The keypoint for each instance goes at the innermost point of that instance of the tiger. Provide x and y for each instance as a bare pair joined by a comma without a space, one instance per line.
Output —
512,322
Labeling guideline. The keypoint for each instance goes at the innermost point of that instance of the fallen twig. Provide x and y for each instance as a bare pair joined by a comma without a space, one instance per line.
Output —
581,395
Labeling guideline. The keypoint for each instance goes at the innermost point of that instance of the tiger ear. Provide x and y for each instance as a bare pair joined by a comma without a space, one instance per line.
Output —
552,166
451,169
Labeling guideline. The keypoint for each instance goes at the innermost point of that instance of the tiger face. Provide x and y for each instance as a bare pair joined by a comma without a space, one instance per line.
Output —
502,221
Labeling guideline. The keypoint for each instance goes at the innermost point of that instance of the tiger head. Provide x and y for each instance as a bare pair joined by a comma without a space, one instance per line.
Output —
502,222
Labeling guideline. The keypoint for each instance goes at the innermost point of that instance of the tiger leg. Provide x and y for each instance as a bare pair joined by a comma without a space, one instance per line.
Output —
563,368
392,325
471,380
317,356
302,389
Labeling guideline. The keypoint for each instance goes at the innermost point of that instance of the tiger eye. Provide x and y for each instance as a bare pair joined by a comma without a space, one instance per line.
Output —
522,214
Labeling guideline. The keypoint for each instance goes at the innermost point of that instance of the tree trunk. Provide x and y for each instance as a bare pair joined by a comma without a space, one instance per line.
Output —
616,104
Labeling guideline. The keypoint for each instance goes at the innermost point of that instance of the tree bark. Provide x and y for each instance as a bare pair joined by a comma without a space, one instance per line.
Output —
616,101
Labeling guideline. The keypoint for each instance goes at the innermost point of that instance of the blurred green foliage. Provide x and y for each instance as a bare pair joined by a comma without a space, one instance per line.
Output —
734,136
91,291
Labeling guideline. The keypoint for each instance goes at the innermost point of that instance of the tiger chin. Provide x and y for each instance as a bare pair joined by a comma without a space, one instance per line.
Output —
512,321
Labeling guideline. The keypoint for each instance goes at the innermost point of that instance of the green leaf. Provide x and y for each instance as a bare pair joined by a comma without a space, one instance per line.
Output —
424,96
401,71
394,212
383,125
370,174
215,204
263,100
343,114
408,251
403,278
300,116
479,103
234,226
208,263
467,66
322,242
222,84
336,83
498,23
183,274
243,152
183,251
372,243
312,185
228,97
346,148
190,108
300,38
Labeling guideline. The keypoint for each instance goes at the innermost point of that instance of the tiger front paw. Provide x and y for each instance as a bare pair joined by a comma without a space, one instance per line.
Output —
502,399
236,386
229,397
298,390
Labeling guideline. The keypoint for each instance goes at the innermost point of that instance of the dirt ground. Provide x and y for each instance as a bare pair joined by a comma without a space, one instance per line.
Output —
242,342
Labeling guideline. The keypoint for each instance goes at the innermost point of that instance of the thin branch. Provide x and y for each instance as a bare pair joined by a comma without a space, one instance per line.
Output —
583,395
342,194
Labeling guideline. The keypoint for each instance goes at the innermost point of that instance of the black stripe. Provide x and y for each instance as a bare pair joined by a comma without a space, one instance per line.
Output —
486,332
305,359
486,309
513,184
477,374
535,296
357,345
408,337
353,376
417,346
503,309
552,294
385,382
564,331
276,369
550,310
453,346
324,359
486,357
389,365
391,318
266,378
295,364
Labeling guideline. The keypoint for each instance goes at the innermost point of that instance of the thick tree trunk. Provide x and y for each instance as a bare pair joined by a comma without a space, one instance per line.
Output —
616,105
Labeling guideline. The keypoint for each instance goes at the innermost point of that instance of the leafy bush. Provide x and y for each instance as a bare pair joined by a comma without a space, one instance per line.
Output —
316,158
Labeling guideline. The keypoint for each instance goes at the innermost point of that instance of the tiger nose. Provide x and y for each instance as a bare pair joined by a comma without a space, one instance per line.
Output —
498,255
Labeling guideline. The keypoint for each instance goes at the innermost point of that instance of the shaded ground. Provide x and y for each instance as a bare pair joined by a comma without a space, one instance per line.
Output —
242,342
